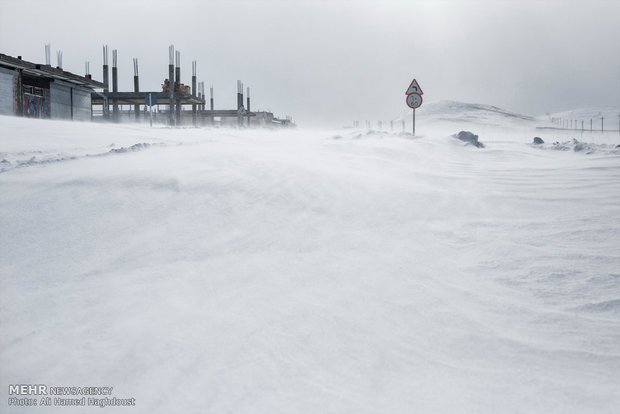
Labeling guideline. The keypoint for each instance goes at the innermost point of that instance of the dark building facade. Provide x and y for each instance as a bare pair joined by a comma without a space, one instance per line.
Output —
42,91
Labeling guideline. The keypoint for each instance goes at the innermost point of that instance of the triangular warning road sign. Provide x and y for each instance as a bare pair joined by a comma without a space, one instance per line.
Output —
414,88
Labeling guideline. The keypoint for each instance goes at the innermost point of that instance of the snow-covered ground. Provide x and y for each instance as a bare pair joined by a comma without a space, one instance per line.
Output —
256,271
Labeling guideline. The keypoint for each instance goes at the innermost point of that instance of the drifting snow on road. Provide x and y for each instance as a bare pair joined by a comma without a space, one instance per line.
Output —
288,271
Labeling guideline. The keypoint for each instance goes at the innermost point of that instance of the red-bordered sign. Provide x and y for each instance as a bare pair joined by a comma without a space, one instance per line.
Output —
414,100
414,88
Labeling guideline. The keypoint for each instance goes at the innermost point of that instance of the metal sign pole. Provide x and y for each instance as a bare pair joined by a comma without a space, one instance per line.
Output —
414,100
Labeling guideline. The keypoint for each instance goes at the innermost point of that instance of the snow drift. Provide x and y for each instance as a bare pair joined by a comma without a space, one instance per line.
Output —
286,271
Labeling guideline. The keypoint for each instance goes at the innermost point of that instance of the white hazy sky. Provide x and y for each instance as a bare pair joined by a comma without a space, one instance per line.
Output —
336,61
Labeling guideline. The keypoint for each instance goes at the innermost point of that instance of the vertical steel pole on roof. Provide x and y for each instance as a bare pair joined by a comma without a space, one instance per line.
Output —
48,54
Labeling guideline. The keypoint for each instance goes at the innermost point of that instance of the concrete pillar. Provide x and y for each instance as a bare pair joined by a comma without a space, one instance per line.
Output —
171,85
19,93
211,106
106,83
194,92
248,104
178,85
239,102
114,85
136,87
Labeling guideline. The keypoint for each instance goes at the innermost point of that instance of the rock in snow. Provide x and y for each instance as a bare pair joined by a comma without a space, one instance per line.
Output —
470,138
538,141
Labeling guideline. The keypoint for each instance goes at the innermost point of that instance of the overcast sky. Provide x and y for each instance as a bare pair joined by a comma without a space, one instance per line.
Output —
336,61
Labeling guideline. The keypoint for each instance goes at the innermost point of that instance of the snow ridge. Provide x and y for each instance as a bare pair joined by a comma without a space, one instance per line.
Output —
10,161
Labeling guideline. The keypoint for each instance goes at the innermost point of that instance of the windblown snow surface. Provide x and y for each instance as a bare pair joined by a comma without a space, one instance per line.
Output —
307,271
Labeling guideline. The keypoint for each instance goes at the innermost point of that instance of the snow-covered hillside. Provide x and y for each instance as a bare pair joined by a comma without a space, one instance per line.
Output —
460,111
211,270
454,113
609,113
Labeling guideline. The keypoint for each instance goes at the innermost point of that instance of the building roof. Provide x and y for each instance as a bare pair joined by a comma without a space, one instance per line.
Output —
47,71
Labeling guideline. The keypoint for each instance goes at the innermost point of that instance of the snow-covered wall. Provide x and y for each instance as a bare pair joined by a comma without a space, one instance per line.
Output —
7,92
68,100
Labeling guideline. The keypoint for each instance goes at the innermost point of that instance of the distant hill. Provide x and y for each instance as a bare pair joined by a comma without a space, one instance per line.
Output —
462,112
464,109
609,114
585,114
454,111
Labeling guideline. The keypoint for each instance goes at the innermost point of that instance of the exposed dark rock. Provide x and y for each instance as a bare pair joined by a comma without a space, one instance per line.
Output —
470,138
538,141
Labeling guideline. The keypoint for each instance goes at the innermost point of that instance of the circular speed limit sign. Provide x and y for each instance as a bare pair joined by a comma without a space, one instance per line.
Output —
414,100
